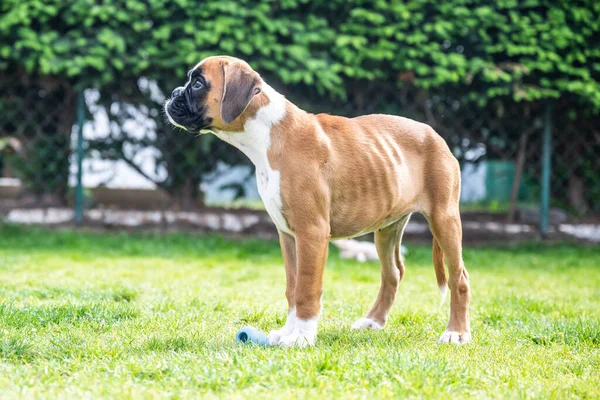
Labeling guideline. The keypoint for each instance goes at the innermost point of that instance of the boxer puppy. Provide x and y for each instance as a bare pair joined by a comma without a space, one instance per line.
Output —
322,177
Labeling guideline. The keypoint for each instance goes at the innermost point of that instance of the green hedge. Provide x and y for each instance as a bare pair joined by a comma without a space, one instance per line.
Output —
528,49
343,56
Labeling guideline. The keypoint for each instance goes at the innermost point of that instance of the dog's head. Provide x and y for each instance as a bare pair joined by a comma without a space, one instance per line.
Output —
217,95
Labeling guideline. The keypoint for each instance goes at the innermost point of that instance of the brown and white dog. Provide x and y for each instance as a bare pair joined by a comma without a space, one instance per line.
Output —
322,177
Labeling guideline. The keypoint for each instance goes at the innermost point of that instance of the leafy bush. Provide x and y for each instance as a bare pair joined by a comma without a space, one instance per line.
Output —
346,56
527,49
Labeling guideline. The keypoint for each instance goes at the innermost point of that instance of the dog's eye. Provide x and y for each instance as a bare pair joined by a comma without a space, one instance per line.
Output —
197,84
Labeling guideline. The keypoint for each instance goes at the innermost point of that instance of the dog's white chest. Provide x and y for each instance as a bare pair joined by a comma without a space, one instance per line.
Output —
267,180
255,141
269,189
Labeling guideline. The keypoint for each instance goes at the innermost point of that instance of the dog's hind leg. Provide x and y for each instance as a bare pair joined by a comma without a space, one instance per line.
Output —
447,230
388,242
441,202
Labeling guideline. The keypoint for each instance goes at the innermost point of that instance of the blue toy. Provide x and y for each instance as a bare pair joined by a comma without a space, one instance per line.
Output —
252,335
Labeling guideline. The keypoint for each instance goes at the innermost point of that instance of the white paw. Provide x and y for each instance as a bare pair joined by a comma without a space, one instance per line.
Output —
304,334
367,323
290,323
275,336
297,339
455,337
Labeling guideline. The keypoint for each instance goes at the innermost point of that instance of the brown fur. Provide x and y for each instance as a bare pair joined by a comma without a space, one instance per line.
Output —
341,177
438,264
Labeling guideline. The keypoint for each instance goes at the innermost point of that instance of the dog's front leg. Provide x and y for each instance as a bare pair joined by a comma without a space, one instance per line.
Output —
311,255
288,251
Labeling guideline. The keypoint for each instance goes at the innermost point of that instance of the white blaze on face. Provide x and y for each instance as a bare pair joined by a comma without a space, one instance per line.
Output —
255,141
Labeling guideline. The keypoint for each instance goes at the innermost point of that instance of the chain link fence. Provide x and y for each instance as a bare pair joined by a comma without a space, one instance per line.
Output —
132,159
505,141
35,129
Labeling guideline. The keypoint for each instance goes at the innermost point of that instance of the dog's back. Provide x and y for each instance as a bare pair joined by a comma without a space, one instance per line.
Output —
381,166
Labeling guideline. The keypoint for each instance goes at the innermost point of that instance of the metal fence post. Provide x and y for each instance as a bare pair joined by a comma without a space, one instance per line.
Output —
79,155
546,170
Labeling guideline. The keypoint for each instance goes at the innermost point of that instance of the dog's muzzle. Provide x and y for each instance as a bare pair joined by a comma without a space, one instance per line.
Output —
183,113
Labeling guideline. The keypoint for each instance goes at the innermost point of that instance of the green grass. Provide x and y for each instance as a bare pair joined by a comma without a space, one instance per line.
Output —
148,316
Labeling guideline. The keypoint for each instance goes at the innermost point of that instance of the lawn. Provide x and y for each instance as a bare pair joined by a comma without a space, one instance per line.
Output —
154,316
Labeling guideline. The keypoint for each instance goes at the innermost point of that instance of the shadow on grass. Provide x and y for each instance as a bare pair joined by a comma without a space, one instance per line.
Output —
15,238
20,293
92,244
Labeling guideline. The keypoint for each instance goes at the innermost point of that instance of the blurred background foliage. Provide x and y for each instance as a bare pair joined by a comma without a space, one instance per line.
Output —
479,72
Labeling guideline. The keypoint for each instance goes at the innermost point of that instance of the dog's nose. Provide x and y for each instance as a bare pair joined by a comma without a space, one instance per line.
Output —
177,92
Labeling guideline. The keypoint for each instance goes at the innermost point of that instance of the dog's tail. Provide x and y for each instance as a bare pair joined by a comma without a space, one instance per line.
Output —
440,269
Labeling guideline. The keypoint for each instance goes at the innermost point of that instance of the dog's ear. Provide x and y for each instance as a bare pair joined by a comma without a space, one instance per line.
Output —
240,85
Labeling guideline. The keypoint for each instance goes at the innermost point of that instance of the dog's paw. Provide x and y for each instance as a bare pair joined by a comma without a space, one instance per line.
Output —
298,339
287,329
275,336
455,337
303,335
367,323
